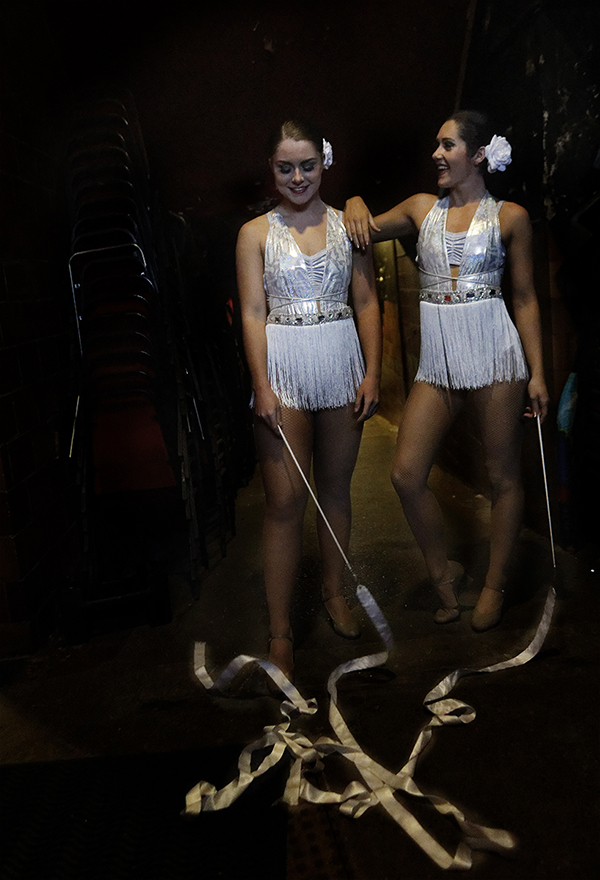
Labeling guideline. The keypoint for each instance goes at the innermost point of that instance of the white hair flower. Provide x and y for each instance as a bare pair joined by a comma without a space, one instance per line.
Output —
327,154
498,154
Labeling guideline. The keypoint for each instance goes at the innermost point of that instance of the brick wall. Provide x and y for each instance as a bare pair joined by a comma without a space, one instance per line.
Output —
37,510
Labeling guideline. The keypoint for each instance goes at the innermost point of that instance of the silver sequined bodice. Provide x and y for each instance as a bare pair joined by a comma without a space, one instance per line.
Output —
291,297
480,270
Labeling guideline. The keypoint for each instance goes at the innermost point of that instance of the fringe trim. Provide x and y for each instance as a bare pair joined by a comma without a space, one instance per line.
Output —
315,366
469,345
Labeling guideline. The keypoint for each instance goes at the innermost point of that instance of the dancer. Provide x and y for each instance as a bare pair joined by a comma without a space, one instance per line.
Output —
470,348
312,374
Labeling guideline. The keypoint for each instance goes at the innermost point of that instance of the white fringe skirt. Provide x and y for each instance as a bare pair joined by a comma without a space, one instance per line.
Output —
315,366
469,345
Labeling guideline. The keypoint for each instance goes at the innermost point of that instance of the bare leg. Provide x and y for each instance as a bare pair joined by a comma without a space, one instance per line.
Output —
286,497
500,409
427,416
336,444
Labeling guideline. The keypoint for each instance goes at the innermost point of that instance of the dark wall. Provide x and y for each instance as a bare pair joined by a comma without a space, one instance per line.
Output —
210,83
37,515
535,65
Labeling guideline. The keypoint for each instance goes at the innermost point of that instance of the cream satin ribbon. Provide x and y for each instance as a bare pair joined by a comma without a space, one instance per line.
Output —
379,786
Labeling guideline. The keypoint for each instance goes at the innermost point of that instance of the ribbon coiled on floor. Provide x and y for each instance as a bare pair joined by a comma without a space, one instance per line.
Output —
379,785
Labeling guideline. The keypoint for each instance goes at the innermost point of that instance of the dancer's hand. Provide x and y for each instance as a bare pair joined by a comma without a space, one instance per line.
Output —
268,408
538,400
367,399
357,220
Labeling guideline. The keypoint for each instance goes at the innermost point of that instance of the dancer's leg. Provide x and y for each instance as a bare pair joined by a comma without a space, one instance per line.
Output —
285,495
427,416
336,443
500,409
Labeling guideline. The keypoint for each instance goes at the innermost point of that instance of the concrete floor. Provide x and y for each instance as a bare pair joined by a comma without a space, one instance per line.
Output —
528,763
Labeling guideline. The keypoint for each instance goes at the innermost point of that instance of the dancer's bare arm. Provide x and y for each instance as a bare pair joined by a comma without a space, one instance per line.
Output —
250,267
404,219
368,318
516,231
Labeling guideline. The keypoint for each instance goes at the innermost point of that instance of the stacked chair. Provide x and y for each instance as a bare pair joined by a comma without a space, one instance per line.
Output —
149,460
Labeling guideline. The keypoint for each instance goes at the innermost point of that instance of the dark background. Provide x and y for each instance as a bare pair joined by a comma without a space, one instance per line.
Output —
208,85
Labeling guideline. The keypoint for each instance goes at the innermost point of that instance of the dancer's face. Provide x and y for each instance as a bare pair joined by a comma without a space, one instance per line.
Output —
297,167
453,163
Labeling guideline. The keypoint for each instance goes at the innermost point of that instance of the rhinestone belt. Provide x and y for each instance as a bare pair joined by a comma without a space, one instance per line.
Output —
334,314
442,297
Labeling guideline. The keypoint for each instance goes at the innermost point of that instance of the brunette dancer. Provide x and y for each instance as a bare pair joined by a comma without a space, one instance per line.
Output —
470,348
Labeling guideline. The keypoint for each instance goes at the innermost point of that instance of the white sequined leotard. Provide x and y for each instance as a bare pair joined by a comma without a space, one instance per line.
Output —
314,359
468,339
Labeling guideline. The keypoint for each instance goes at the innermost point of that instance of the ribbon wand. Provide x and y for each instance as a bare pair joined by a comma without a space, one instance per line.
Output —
539,425
319,508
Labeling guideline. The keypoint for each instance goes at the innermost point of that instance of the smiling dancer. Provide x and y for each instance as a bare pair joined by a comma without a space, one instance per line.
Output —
470,348
312,374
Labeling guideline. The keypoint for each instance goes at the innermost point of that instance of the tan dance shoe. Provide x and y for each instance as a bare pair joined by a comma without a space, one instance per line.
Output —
347,630
481,621
447,590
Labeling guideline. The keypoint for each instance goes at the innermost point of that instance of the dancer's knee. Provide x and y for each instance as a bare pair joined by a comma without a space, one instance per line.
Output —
504,475
505,486
286,508
336,505
405,479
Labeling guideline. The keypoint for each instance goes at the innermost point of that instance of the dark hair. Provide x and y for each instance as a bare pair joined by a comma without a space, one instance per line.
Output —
475,128
297,130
